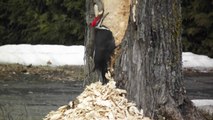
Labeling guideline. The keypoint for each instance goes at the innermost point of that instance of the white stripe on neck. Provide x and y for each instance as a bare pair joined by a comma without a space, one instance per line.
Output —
102,27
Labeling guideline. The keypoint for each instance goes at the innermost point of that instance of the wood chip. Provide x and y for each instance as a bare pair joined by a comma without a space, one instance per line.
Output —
98,102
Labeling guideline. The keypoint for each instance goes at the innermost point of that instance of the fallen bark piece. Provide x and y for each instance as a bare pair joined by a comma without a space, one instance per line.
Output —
98,102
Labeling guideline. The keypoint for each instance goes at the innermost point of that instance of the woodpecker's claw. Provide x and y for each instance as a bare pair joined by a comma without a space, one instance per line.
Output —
108,76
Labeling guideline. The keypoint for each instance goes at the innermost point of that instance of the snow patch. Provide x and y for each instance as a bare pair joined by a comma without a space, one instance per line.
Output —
204,104
59,55
196,61
55,55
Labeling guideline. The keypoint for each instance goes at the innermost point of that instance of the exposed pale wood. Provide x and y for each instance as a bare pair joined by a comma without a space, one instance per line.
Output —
118,17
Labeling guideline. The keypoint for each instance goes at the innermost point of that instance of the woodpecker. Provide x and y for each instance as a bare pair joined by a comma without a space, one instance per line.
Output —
104,45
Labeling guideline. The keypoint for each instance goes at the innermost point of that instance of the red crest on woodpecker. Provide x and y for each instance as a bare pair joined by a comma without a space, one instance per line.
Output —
95,21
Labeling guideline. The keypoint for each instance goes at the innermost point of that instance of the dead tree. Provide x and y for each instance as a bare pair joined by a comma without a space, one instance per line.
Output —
149,64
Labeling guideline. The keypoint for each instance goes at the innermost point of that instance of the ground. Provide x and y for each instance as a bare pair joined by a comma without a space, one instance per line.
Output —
29,92
17,72
33,91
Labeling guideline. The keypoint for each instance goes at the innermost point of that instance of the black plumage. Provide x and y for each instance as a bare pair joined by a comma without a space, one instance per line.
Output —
103,49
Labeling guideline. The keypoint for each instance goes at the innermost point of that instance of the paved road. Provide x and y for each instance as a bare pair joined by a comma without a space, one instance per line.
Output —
199,86
31,99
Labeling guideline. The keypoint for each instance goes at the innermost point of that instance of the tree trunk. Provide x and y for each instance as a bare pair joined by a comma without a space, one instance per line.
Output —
149,66
89,44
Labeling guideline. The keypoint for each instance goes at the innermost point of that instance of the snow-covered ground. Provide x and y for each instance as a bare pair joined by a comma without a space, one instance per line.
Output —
55,55
200,62
58,55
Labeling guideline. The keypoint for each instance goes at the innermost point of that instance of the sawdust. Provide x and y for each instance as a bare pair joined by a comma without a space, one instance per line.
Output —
98,102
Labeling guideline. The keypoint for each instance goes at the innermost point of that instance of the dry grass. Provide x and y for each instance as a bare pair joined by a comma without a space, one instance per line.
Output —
43,72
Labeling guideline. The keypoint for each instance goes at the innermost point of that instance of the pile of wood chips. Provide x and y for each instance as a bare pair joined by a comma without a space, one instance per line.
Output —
98,102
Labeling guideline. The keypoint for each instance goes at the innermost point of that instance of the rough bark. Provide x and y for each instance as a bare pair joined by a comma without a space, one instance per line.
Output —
89,44
149,66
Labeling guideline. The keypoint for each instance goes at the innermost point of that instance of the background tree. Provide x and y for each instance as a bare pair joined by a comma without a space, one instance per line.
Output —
198,26
149,66
42,21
